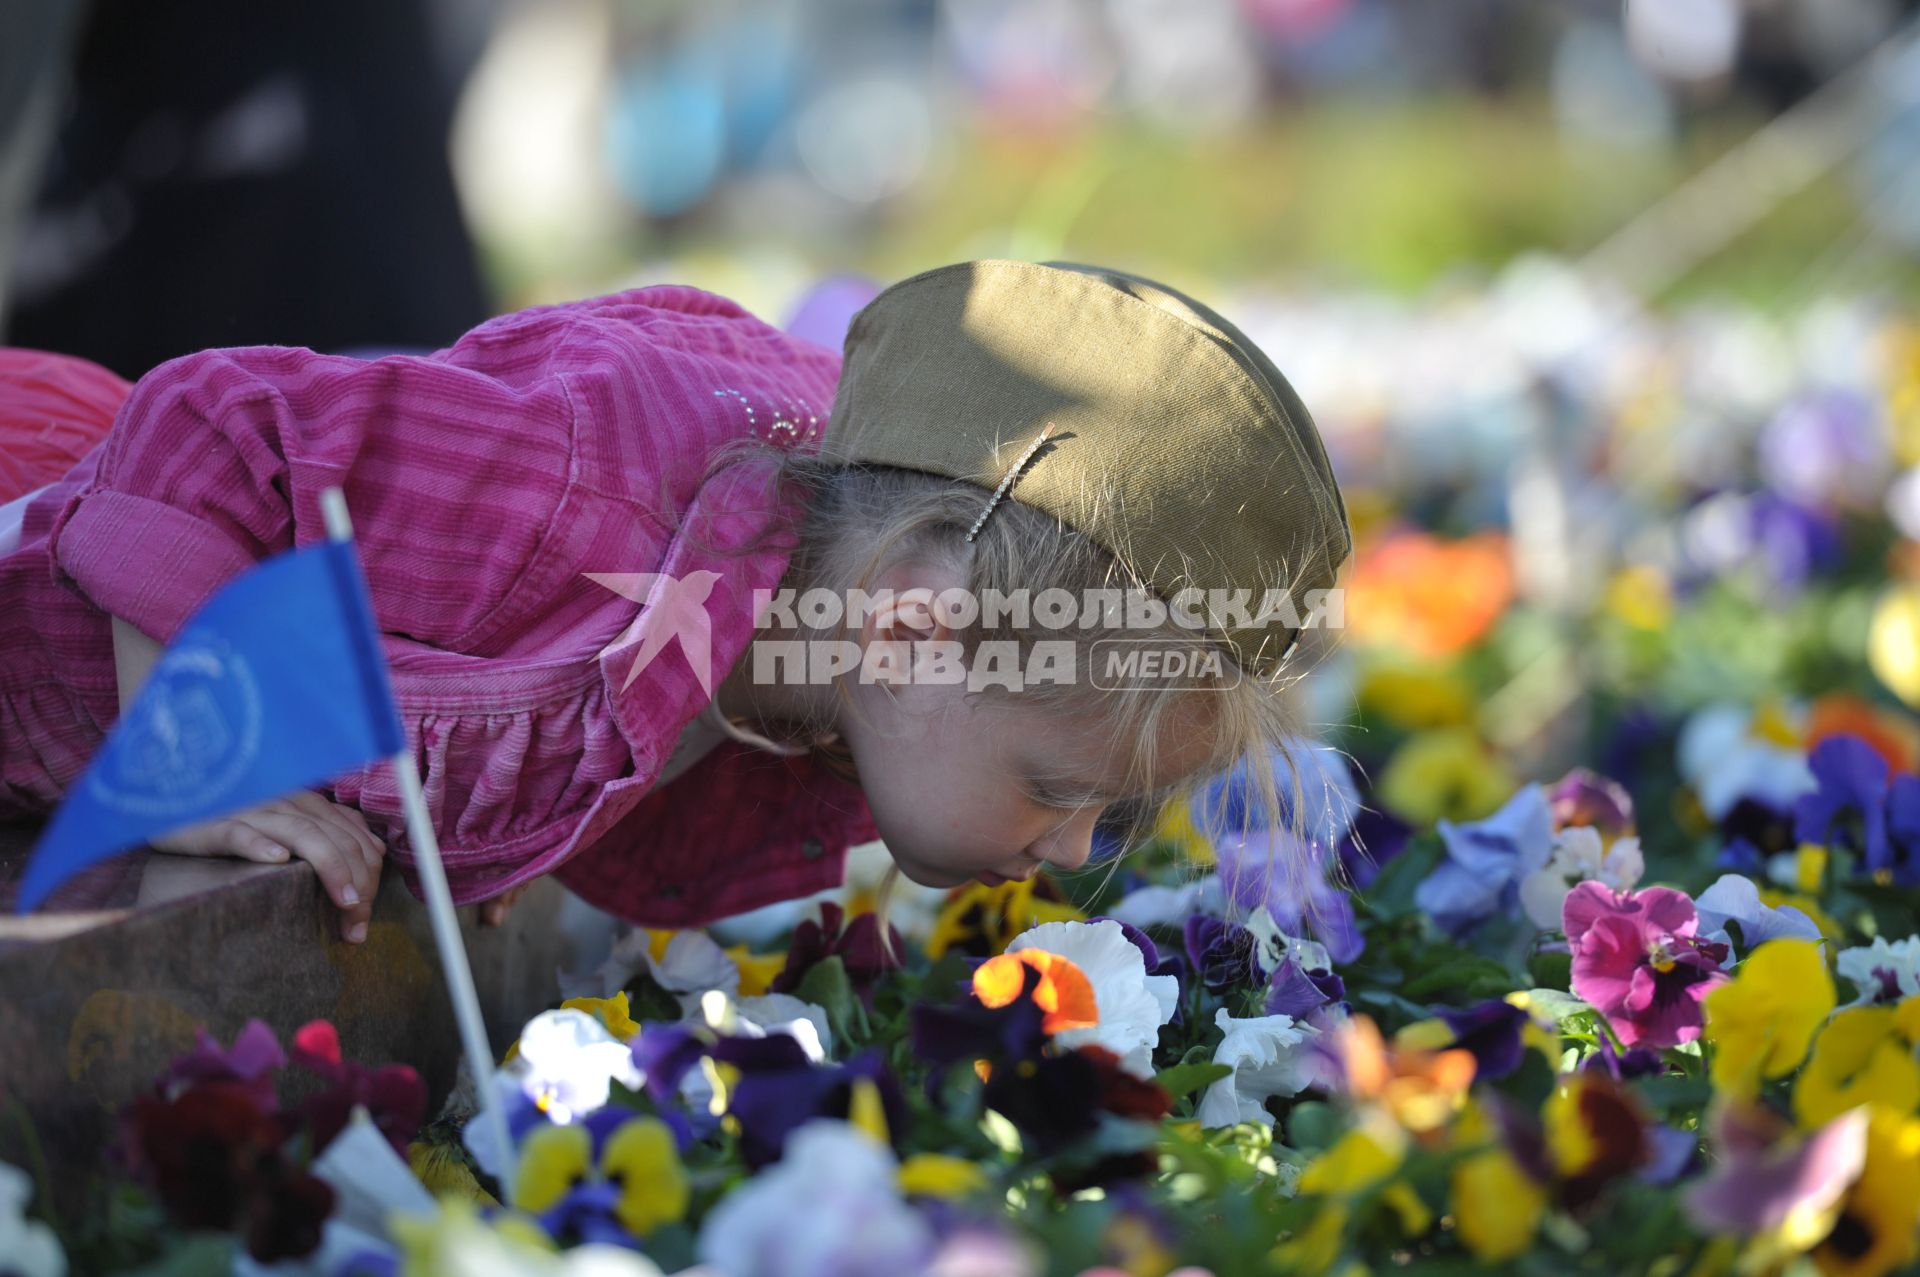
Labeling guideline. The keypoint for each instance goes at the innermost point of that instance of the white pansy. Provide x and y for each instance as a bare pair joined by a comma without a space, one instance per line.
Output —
1272,946
1132,1004
1863,964
1579,855
28,1247
1724,761
690,965
566,1066
1156,906
830,1207
1734,898
1269,1055
912,910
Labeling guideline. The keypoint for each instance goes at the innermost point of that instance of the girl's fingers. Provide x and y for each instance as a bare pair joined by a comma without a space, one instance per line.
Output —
351,822
249,843
333,855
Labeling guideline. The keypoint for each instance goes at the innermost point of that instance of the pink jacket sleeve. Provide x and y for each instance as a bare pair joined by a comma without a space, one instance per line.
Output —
217,460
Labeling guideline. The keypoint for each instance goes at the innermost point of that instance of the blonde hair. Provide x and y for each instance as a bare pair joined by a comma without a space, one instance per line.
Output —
856,521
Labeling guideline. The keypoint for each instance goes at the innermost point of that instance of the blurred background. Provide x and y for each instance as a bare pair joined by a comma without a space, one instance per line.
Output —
1605,308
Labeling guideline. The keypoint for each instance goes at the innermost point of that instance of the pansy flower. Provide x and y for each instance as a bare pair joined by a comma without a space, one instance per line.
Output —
1596,1133
1761,1023
31,1248
1862,1056
250,1064
1637,960
216,1161
393,1095
1583,798
613,1178
1733,898
1131,1004
1875,1230
1882,972
830,1208
1486,862
1769,1184
1422,1090
856,942
1222,953
1269,1057
983,920
1579,855
1728,752
1293,881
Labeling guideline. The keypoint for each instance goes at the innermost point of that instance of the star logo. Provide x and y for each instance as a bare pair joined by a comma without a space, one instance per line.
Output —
670,608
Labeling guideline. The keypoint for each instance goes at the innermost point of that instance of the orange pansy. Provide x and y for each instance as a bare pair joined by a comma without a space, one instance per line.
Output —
1064,993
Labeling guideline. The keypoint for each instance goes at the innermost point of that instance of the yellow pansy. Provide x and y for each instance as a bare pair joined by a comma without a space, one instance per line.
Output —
1640,596
937,1175
643,1159
1761,1022
1861,1057
1360,1159
1314,1249
981,918
1176,826
757,970
1416,697
1893,642
454,1239
613,1013
1496,1205
867,1113
552,1159
1874,1233
1443,775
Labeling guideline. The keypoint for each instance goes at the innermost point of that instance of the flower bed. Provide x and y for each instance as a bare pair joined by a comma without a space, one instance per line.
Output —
1656,1014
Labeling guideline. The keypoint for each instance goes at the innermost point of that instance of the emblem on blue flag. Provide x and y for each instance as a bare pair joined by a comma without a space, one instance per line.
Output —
276,684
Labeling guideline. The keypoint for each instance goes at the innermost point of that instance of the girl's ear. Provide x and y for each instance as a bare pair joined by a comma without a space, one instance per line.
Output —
910,611
907,617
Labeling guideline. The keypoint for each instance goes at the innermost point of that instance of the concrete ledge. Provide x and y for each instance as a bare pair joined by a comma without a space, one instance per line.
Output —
97,994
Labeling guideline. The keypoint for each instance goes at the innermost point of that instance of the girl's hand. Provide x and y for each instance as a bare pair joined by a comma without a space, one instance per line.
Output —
334,839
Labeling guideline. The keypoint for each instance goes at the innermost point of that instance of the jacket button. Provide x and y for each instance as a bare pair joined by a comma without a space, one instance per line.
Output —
813,849
670,893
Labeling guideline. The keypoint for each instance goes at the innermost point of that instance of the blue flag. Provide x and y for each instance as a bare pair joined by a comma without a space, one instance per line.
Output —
277,683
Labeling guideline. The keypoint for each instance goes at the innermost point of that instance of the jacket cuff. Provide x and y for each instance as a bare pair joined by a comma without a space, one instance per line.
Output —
146,562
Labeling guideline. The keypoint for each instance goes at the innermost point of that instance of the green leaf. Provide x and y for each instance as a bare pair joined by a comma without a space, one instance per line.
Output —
1466,975
827,987
1553,971
1557,1006
1185,1079
1312,1126
194,1255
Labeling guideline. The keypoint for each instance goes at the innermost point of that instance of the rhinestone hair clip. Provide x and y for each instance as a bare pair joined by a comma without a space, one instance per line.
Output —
1006,484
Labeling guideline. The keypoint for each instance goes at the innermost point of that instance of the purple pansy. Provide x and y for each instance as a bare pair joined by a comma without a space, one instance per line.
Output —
1298,991
1637,960
1486,861
1585,797
1492,1031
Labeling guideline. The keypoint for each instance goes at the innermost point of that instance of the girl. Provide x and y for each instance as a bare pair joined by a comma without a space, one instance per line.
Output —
585,529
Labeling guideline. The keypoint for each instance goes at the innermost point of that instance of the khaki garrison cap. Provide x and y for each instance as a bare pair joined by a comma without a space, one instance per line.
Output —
1178,446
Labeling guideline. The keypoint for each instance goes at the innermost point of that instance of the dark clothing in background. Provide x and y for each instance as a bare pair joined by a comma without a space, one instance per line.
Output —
232,173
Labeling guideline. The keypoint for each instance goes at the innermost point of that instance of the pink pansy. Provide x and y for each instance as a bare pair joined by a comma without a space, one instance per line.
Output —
1637,960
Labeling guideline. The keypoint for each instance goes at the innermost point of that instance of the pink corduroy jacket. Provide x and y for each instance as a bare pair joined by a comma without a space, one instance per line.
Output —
484,481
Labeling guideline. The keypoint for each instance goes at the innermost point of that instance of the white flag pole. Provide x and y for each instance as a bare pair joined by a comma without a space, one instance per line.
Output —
446,927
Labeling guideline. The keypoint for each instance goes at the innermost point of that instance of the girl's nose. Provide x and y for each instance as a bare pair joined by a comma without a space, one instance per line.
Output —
1070,846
